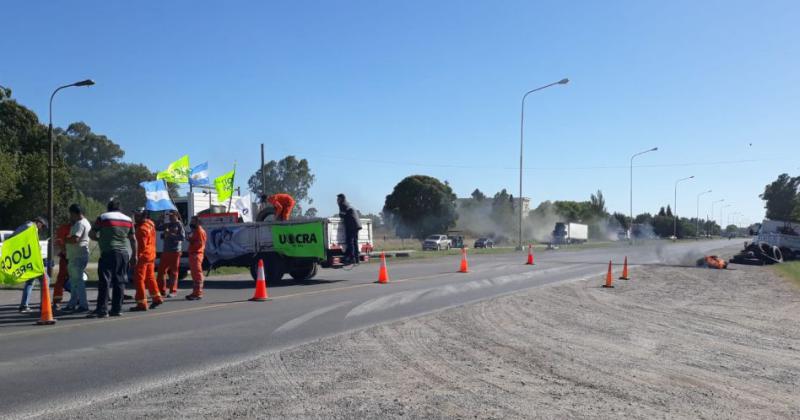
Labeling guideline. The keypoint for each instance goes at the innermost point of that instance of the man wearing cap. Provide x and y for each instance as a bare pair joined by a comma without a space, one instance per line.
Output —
169,265
352,224
77,253
40,224
114,232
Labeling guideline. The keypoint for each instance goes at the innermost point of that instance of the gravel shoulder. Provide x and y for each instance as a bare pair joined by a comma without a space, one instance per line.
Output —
673,342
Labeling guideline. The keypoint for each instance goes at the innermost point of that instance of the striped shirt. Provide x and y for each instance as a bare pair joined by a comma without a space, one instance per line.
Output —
113,229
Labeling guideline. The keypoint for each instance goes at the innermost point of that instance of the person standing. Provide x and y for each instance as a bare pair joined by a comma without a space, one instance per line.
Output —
114,232
173,235
352,224
27,289
144,274
63,265
77,253
197,248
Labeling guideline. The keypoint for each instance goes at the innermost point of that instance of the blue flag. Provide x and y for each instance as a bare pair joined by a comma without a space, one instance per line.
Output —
157,196
199,175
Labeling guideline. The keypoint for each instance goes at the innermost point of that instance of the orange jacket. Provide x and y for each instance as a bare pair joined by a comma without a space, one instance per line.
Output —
61,238
146,241
283,203
197,240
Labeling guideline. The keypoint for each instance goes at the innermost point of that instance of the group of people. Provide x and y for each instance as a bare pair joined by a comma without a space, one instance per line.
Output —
126,246
129,246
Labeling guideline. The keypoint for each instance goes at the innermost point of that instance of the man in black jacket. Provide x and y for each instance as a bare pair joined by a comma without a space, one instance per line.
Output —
352,225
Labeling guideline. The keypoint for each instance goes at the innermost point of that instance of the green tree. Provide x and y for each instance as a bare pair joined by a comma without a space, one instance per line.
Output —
478,195
597,205
419,206
289,176
311,212
24,185
782,199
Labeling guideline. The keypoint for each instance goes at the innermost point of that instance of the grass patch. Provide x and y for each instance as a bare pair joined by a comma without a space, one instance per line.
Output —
789,270
225,271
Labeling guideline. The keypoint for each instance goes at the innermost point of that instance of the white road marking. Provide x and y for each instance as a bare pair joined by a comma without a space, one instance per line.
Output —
300,320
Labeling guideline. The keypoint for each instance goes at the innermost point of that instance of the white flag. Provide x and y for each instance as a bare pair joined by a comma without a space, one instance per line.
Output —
244,210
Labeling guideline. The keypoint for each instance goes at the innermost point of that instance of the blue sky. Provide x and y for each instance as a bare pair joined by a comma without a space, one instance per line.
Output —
373,91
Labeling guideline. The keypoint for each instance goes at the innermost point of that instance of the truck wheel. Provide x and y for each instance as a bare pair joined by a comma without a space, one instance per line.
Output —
274,268
304,273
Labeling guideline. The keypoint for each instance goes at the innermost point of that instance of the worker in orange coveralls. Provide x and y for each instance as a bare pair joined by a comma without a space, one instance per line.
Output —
197,248
61,239
283,203
144,277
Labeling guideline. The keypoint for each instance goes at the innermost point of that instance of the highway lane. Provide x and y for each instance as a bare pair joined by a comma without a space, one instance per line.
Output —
80,361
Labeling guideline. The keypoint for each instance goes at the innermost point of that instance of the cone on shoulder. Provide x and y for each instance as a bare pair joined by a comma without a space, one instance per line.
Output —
260,294
464,268
530,256
383,273
624,275
46,310
609,278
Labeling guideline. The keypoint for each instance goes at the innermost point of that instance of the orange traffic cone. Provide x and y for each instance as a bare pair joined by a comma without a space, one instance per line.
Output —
530,256
46,310
383,274
625,270
609,277
261,285
464,266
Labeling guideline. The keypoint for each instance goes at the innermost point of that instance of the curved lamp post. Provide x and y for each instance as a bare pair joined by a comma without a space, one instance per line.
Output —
521,137
630,229
697,219
50,210
675,207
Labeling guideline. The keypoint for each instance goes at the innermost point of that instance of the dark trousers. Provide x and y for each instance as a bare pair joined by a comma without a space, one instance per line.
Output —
113,271
351,246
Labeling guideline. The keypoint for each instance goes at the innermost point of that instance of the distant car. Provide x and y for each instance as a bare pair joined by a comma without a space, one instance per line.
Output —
484,243
436,243
456,241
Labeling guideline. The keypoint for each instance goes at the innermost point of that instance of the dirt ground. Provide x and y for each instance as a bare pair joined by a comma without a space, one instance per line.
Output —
671,343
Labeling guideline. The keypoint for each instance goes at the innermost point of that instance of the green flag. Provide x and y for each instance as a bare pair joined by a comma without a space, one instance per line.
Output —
224,186
21,258
177,172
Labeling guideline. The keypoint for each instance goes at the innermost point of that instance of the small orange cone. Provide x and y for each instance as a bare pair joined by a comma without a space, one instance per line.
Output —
609,277
464,266
530,256
261,285
383,274
46,311
625,270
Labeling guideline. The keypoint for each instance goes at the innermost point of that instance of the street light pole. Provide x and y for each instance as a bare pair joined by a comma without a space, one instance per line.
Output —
50,209
630,228
697,219
721,209
712,211
521,139
675,207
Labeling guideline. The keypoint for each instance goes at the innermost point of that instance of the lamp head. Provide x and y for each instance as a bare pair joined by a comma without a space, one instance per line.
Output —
87,82
563,81
653,149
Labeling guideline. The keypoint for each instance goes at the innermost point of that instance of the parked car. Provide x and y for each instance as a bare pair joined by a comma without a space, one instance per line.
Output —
436,243
484,243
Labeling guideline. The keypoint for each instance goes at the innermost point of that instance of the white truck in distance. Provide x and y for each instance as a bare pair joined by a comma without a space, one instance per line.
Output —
570,233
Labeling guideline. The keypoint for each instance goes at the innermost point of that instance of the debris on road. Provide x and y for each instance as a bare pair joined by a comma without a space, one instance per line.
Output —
713,261
758,254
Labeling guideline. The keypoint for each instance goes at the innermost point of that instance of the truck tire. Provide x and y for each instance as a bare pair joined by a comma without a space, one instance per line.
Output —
274,267
304,273
778,254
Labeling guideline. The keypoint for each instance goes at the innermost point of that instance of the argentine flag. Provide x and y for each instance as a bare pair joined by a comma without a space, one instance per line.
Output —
199,175
157,196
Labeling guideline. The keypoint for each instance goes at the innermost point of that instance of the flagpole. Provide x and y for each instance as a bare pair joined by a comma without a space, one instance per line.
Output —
233,179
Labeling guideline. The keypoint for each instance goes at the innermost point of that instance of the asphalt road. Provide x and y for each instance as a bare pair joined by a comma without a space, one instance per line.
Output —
80,361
